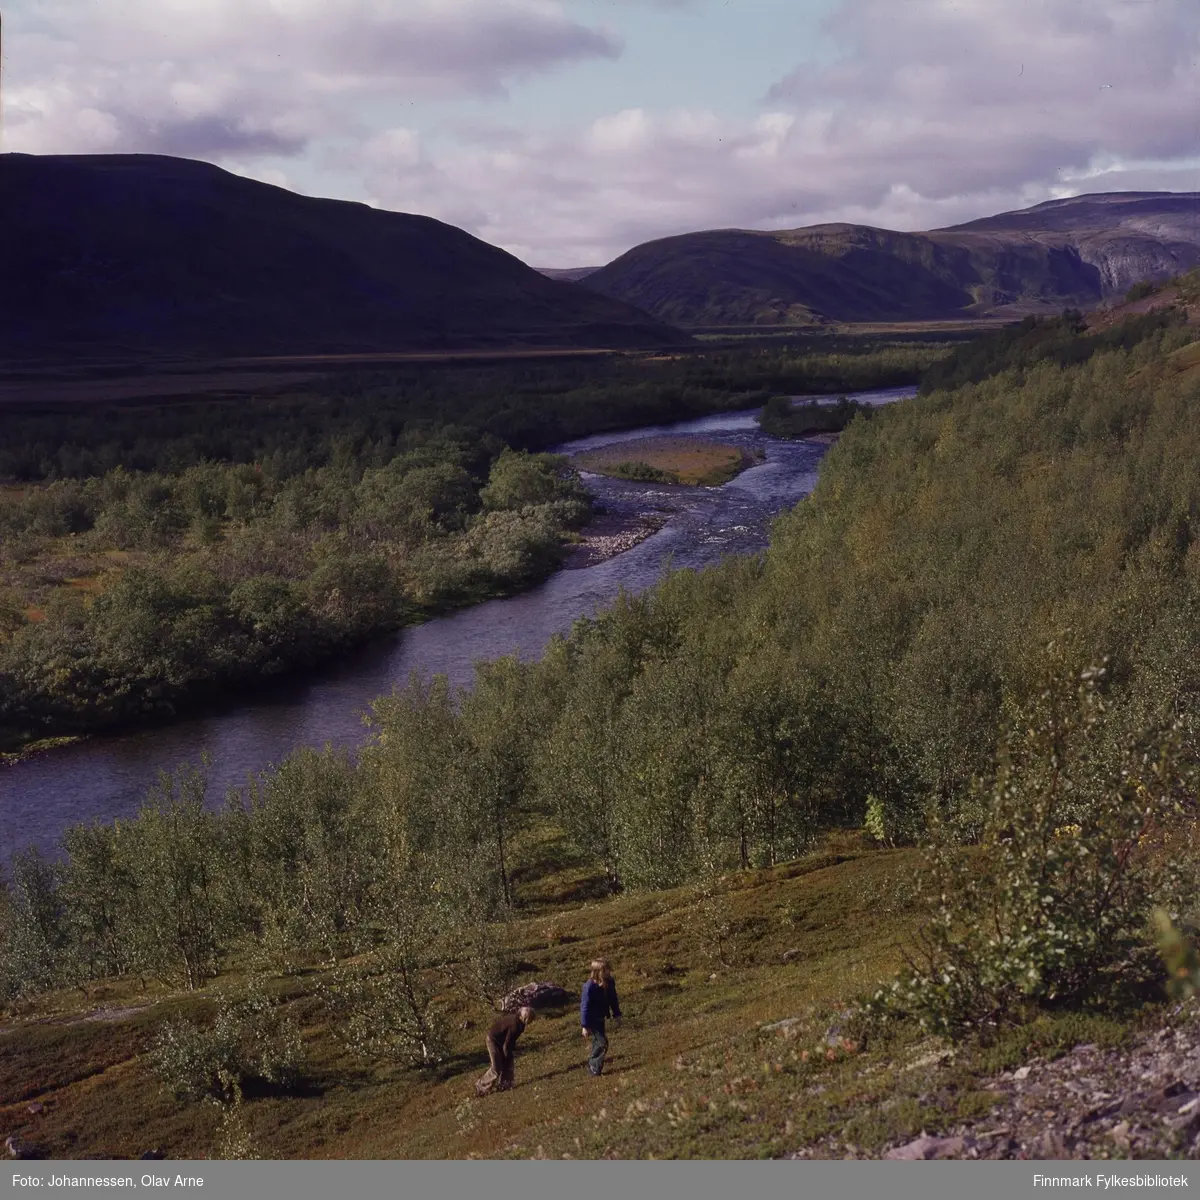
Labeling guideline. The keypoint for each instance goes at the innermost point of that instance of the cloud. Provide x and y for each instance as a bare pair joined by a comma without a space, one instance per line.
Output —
935,112
212,77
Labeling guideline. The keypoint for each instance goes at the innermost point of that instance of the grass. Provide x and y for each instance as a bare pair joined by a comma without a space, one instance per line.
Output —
1185,364
692,461
37,568
692,1071
29,749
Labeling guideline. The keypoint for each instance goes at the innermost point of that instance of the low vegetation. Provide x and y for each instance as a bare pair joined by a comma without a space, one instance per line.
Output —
130,595
1033,340
692,461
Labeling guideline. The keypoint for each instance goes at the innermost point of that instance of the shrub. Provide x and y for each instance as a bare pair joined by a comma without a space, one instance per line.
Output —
1053,908
642,472
250,1039
1179,956
891,821
388,1012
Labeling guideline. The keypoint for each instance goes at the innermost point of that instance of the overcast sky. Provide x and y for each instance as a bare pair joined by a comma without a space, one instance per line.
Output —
567,131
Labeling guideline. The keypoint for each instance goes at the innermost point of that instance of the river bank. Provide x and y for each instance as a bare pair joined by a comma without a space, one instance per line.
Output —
609,534
107,776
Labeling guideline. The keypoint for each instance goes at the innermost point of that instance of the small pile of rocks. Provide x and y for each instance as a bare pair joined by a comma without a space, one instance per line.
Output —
607,538
1141,1101
538,996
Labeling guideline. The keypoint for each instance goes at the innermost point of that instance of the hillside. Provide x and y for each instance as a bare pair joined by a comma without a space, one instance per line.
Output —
107,254
730,1051
1078,252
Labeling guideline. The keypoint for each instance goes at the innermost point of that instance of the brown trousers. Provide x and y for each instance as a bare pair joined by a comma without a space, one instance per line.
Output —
499,1076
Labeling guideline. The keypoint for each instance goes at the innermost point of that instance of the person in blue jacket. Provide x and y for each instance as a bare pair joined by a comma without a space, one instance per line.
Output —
599,1001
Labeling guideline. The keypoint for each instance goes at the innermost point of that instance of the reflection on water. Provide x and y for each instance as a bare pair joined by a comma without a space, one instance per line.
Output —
107,777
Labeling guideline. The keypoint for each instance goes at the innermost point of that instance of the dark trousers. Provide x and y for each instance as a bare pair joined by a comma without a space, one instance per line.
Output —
499,1076
599,1049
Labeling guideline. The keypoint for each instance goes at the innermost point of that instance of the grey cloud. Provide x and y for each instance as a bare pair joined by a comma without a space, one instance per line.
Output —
251,76
477,54
204,137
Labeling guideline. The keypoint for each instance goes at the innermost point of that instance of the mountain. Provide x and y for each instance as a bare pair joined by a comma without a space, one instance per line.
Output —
1077,252
574,274
104,255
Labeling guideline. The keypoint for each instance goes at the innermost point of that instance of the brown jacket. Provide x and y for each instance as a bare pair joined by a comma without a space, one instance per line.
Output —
505,1030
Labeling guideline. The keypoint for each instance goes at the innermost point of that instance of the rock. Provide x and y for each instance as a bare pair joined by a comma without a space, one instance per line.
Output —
1120,1134
1022,1072
153,1154
788,1027
538,996
18,1148
789,955
1051,1145
36,1108
926,1147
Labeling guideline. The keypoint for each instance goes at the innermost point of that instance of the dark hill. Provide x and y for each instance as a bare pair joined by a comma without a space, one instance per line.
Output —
108,254
1077,252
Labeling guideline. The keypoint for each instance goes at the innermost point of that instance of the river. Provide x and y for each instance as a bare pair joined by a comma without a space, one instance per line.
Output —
107,777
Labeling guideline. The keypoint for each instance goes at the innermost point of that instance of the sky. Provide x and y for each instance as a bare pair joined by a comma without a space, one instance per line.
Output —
567,131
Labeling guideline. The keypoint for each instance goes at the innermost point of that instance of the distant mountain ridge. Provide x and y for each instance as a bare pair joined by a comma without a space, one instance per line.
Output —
1079,251
111,254
572,273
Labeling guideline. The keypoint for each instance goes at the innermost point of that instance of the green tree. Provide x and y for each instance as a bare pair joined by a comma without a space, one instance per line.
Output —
182,915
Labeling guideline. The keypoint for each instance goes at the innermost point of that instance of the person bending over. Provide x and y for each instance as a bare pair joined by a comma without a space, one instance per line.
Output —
501,1047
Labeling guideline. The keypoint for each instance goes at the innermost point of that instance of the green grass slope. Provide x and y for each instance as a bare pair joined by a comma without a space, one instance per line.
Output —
104,254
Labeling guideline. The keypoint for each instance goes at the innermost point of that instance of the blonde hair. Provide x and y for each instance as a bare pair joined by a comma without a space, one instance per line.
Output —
525,1013
600,970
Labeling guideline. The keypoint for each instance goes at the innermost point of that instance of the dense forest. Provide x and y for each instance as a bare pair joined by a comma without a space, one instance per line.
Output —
155,554
982,627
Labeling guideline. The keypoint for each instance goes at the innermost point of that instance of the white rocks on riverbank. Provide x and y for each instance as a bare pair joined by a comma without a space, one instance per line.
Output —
599,544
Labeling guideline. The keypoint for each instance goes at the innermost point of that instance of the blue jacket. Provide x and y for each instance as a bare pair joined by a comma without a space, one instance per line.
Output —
598,1002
